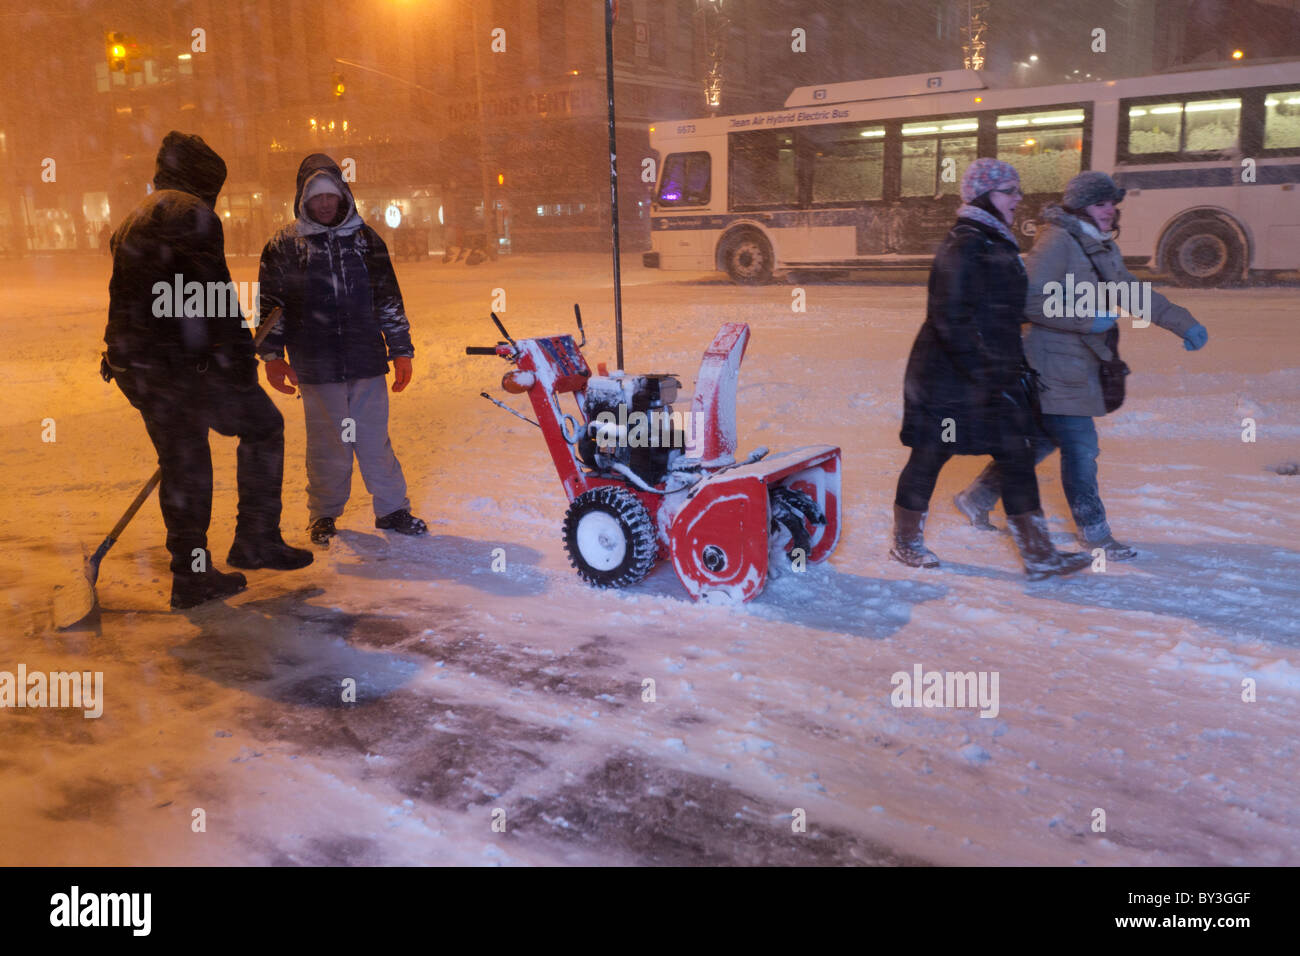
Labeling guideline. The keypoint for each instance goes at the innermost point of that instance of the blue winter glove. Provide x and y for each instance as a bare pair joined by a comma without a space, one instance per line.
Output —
1195,337
1104,322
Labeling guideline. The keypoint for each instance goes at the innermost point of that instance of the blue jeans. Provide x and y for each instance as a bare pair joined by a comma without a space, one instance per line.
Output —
1076,436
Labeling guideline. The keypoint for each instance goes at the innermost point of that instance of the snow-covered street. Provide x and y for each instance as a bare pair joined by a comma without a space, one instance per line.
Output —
521,690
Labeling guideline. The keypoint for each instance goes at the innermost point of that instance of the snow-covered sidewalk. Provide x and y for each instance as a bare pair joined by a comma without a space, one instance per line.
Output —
523,691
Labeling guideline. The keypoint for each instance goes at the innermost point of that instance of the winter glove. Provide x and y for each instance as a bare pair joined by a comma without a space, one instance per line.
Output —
401,373
1104,322
277,370
1195,337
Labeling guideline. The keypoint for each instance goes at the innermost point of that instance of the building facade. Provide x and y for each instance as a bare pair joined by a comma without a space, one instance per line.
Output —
503,98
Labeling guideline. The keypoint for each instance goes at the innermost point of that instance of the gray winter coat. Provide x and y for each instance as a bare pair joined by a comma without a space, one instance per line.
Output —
1065,354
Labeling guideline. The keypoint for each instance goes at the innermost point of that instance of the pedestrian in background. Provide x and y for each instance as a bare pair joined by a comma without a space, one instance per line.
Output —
968,389
1077,239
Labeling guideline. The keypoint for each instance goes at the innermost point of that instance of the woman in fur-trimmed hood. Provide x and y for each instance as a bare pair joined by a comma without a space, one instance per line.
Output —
1075,247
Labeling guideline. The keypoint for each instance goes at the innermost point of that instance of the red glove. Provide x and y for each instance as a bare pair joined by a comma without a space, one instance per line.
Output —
277,370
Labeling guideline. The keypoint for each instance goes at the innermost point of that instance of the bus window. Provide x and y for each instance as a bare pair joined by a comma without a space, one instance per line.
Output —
926,146
763,169
685,180
1212,125
1195,126
962,150
1046,147
1154,129
848,162
1282,120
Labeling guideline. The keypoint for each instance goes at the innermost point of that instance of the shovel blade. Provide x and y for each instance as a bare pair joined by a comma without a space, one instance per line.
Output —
74,601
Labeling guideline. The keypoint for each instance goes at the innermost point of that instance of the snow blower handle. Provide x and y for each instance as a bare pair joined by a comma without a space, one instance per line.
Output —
503,330
577,314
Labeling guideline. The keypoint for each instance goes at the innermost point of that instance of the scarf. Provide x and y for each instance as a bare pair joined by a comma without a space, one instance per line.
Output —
967,211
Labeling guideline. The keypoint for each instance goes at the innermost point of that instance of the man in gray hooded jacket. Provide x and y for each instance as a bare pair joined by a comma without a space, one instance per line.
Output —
343,322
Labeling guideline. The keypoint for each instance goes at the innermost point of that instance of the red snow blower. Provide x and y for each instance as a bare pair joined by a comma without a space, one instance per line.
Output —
646,483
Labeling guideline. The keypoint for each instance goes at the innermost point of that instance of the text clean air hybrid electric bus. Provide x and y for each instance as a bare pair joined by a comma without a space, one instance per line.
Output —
866,174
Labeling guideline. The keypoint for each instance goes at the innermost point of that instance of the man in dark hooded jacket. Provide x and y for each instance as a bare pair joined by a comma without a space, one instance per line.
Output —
344,321
186,363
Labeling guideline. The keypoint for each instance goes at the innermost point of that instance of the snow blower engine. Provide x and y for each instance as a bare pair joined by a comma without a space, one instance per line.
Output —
646,483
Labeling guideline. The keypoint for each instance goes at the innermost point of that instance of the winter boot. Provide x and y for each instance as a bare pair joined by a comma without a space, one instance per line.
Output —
321,530
1099,536
1041,558
266,549
191,588
909,540
975,502
401,521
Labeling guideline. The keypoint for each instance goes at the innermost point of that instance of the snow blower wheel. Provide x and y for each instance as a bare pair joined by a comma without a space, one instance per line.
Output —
610,537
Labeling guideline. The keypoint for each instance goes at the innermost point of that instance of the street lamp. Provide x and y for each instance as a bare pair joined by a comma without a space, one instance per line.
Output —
715,40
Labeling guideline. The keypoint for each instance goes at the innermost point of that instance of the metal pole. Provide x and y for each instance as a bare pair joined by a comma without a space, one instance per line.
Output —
489,213
613,178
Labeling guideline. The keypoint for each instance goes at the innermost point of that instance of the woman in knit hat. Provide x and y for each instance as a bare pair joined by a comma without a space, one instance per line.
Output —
1076,243
967,389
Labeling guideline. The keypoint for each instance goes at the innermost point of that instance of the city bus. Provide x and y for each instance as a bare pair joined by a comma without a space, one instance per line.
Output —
866,174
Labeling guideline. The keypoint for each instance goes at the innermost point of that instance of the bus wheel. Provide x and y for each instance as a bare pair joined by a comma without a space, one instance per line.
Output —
747,257
1205,252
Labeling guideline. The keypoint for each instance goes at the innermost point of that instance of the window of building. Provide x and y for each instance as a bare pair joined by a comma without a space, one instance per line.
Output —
685,180
763,169
657,21
1045,146
552,52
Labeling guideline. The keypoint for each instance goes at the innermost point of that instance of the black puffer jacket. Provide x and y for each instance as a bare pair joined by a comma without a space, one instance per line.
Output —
343,312
175,232
967,360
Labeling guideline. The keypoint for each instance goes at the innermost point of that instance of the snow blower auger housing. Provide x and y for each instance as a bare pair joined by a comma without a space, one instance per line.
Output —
646,483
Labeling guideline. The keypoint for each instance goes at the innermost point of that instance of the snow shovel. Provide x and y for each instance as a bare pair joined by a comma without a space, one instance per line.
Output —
74,602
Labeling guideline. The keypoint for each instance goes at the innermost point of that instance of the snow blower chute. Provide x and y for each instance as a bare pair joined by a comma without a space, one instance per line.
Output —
646,483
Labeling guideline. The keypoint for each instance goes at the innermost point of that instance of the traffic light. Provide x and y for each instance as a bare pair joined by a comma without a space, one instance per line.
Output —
123,53
336,84
117,47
